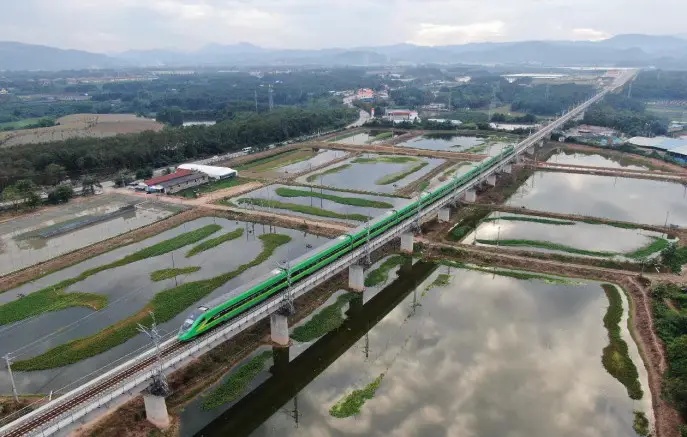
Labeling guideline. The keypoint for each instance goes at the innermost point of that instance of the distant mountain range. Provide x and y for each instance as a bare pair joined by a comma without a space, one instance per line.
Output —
621,50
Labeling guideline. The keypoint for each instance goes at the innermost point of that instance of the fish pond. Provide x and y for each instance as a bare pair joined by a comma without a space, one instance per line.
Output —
193,263
305,201
440,351
626,199
564,236
364,138
61,229
594,160
373,173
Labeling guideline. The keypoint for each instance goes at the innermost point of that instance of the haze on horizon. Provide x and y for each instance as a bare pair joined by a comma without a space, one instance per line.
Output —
106,26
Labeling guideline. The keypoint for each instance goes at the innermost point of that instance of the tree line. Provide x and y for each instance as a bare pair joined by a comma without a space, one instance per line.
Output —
106,156
627,115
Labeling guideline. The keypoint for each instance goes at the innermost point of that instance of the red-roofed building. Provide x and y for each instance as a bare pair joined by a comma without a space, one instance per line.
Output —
177,181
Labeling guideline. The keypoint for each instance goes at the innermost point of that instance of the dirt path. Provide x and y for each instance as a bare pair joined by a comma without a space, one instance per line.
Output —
657,176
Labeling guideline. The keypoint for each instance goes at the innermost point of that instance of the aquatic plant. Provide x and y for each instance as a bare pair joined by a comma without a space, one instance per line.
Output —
328,319
381,273
214,242
616,357
305,209
351,404
395,177
165,305
161,275
315,176
353,201
237,382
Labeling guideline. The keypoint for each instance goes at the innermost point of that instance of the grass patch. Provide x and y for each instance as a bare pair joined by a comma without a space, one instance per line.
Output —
47,300
212,186
640,423
423,186
161,275
395,177
657,245
315,176
477,149
612,223
237,382
387,159
380,137
615,357
305,209
512,273
267,162
381,273
214,242
453,171
327,320
468,223
53,298
546,245
530,219
441,281
354,201
166,305
351,404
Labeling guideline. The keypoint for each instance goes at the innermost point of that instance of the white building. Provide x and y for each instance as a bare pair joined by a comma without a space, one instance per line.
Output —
212,171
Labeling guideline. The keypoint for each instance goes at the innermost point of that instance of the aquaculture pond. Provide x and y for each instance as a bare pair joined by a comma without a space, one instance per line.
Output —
321,158
444,142
229,252
61,229
564,236
444,351
305,201
373,173
634,200
594,160
364,138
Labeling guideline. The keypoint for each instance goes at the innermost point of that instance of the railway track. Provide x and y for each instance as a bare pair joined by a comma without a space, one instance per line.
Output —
87,395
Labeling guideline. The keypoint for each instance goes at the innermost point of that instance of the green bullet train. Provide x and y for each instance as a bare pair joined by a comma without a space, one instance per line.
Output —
230,305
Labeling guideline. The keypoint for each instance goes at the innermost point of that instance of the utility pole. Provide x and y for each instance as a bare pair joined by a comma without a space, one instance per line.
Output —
8,361
271,98
629,91
159,386
255,94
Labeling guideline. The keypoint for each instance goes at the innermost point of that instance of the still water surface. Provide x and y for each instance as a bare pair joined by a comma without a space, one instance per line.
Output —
634,200
484,356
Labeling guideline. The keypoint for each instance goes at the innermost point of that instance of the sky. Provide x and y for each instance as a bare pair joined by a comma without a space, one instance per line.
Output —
113,26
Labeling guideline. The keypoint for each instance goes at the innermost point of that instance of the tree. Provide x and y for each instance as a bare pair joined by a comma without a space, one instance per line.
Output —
167,171
88,184
11,194
172,116
144,173
61,194
27,193
123,178
54,174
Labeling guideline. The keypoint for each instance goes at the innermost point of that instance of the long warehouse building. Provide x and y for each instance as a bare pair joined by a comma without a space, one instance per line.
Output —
212,171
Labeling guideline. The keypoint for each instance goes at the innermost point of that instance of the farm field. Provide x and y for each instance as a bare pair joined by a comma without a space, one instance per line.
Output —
21,244
81,126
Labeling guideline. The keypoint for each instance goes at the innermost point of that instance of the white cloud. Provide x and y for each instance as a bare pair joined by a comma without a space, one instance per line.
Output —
589,34
445,34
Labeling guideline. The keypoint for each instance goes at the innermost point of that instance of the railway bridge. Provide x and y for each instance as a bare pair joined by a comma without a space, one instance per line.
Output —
134,376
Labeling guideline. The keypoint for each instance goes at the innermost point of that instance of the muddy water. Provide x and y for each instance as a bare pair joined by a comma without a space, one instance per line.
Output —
360,139
20,246
320,158
445,142
635,200
270,193
592,161
579,235
483,356
364,176
129,289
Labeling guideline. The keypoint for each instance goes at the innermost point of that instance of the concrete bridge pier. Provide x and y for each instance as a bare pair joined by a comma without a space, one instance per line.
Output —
156,410
530,150
279,329
470,196
356,278
508,169
407,242
491,180
444,215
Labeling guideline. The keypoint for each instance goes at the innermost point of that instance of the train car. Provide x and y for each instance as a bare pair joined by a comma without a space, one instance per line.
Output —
228,306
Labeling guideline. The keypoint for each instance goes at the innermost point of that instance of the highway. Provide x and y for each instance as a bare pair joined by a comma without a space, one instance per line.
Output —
134,375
